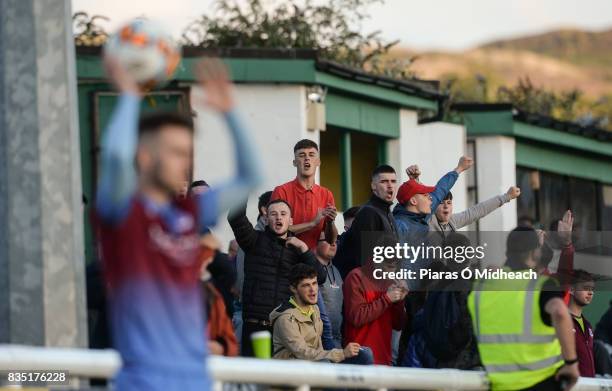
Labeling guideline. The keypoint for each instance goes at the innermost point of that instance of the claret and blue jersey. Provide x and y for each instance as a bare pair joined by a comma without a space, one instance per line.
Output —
152,258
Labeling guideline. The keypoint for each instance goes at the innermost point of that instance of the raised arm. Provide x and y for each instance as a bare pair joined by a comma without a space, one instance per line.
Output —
480,210
307,226
245,234
448,181
566,261
442,188
119,142
214,79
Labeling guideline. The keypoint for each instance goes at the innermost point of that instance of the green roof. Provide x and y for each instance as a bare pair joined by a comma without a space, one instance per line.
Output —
293,67
542,142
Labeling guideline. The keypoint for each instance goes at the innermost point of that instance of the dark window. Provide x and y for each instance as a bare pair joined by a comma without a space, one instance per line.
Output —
526,203
583,201
606,207
545,197
553,198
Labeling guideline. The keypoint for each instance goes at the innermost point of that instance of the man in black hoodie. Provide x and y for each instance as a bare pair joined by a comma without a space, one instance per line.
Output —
374,218
269,258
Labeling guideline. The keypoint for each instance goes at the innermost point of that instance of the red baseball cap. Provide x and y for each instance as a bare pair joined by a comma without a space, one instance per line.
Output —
410,188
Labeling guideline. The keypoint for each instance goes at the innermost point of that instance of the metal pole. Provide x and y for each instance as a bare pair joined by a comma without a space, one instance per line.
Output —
346,175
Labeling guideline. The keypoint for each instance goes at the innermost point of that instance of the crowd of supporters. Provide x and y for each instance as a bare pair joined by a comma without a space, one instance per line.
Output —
290,273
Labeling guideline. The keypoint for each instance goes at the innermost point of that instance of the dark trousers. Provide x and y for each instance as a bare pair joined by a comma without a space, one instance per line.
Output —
248,328
549,384
603,357
364,357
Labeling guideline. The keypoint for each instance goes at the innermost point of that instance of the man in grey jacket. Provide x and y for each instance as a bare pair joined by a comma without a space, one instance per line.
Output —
445,220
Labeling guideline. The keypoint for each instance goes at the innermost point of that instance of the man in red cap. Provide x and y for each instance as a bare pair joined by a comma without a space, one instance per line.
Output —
416,201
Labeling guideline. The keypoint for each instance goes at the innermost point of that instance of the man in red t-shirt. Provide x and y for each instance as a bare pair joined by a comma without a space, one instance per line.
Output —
314,208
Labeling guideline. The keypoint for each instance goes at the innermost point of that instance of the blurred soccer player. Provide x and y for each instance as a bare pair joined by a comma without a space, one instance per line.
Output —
150,236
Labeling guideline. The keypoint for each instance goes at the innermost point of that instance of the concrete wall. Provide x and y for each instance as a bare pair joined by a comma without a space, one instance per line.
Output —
398,154
496,172
42,279
435,147
276,118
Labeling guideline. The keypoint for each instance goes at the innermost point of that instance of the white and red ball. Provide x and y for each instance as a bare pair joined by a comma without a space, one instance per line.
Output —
145,50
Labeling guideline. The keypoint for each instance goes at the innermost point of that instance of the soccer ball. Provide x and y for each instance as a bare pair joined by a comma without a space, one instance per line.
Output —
145,51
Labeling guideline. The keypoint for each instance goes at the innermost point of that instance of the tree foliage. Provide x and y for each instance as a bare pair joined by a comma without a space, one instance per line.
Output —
571,105
333,28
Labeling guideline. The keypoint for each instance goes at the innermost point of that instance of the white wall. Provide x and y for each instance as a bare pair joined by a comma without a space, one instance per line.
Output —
496,171
276,117
398,149
435,147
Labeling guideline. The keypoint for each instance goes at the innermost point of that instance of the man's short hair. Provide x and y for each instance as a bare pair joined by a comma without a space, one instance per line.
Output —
280,201
383,169
580,276
264,200
522,239
301,271
456,239
350,213
305,144
152,123
519,243
448,196
526,221
199,182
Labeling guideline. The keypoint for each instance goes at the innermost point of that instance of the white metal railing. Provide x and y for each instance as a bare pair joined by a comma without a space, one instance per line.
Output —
84,363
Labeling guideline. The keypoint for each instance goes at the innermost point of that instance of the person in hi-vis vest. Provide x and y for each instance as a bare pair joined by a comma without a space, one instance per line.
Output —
523,327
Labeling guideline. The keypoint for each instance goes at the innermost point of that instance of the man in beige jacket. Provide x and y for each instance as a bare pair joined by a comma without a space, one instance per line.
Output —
297,325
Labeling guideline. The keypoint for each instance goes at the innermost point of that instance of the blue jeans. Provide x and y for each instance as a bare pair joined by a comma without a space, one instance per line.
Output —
327,338
237,321
364,357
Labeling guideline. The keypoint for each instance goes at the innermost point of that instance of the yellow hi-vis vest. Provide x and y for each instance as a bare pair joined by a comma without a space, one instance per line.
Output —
516,348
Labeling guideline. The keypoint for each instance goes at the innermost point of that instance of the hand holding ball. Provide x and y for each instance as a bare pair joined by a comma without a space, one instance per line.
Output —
144,51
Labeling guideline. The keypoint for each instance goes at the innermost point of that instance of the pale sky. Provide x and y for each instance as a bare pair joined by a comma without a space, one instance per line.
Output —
423,24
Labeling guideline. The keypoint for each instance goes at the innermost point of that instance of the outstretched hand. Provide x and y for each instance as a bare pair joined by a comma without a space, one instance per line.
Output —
514,192
214,79
120,77
564,227
465,163
413,172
